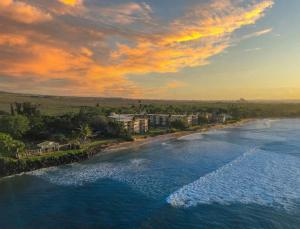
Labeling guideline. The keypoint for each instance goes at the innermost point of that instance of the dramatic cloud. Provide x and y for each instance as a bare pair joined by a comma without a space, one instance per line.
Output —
22,12
12,40
90,48
124,13
71,2
189,41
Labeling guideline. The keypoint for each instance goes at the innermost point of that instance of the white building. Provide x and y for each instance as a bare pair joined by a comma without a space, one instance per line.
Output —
132,123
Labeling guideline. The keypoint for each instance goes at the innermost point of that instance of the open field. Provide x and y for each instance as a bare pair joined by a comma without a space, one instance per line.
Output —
55,105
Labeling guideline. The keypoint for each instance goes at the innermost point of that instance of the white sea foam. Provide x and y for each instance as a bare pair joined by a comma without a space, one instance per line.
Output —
257,177
216,132
133,173
263,136
80,174
260,124
191,137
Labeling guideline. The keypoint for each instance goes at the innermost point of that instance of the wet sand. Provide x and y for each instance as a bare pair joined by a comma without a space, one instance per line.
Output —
165,137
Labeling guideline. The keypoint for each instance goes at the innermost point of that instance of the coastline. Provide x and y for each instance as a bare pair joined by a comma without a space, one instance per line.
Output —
175,135
9,167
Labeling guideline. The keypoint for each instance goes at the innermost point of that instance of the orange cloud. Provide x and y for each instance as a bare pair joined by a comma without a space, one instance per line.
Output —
12,40
126,13
22,12
95,58
50,63
189,44
71,2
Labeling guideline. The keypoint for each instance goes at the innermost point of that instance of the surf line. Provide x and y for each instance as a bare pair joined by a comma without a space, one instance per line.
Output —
182,198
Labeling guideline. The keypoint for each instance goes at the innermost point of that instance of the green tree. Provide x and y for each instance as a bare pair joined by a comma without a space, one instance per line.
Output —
179,124
12,110
84,132
99,123
115,129
10,147
16,125
27,109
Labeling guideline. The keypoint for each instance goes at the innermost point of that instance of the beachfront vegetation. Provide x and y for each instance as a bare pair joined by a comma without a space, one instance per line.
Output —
10,147
15,125
179,124
28,120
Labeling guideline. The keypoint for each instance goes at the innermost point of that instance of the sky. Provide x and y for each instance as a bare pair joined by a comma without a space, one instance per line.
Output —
152,49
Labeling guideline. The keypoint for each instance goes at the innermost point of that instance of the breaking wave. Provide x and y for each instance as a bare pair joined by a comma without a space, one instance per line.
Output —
135,173
80,174
266,137
191,137
216,132
257,177
260,124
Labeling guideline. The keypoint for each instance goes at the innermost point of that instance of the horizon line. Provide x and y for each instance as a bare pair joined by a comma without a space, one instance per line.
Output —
240,100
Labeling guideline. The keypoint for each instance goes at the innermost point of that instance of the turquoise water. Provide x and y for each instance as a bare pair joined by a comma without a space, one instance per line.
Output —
244,177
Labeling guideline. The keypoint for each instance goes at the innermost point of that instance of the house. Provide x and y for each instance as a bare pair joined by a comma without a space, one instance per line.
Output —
48,146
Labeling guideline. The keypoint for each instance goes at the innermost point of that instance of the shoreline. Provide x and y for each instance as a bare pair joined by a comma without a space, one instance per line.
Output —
10,167
169,136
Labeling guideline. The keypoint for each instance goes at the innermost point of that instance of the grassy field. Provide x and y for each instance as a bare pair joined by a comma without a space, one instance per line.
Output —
53,105
58,105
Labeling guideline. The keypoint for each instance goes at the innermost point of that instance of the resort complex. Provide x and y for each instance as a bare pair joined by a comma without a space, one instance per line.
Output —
37,134
141,123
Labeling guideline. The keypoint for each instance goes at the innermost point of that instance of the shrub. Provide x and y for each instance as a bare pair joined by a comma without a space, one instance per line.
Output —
10,147
179,124
16,125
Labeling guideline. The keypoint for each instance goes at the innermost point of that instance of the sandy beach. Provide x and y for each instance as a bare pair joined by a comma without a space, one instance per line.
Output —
144,141
17,167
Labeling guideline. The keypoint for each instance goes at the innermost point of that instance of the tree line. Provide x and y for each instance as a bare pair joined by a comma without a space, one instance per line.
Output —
27,125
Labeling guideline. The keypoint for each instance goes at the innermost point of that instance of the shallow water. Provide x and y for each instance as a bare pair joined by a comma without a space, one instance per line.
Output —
243,177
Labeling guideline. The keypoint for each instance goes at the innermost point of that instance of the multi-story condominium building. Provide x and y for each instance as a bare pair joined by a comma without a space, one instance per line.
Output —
132,123
159,120
163,120
221,118
193,120
144,125
208,117
177,117
124,119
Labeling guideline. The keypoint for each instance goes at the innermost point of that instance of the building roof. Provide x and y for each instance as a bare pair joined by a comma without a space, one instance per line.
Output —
47,144
122,117
165,115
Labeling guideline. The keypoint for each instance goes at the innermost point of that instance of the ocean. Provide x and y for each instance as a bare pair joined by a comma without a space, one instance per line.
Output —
241,177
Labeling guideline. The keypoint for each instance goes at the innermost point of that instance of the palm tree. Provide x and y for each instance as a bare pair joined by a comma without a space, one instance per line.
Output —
84,132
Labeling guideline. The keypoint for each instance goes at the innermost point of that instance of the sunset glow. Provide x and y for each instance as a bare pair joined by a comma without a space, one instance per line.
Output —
204,49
